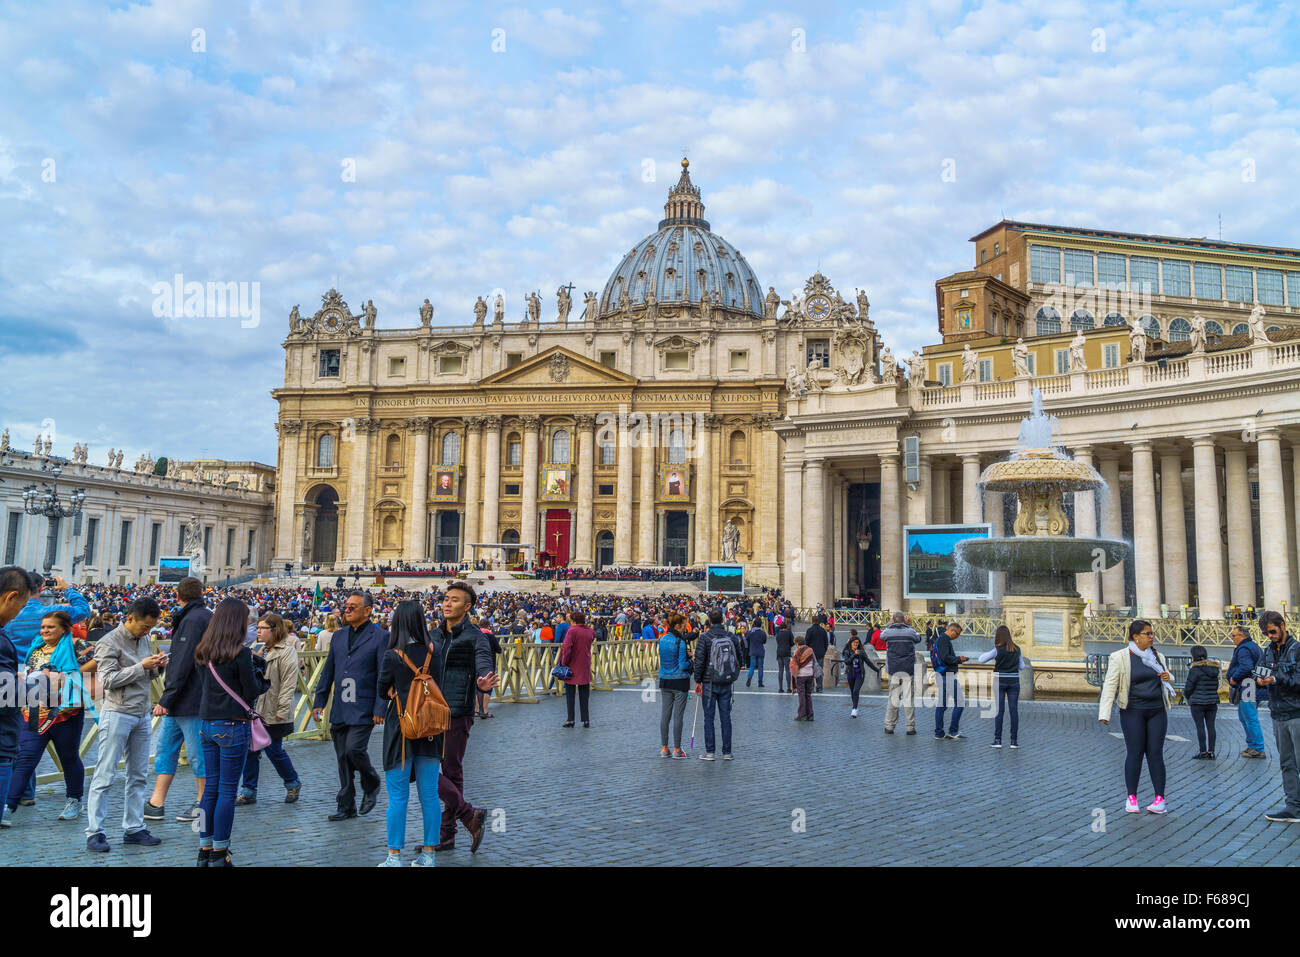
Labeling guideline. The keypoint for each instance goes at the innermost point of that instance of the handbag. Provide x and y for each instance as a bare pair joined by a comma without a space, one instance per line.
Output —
260,738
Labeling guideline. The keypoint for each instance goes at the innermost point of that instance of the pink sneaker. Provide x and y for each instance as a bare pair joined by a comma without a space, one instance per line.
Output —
1131,805
1157,806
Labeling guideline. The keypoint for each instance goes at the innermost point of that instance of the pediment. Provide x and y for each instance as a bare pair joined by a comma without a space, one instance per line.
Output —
558,367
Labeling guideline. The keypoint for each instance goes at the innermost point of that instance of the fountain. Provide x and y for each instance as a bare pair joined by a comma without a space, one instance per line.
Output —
1041,605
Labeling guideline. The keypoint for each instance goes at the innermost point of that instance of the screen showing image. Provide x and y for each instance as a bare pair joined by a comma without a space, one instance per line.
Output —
729,579
932,567
172,570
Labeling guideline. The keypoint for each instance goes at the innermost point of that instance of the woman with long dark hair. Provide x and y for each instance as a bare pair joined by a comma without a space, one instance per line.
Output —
1138,681
1201,692
1007,665
409,759
856,662
230,686
280,654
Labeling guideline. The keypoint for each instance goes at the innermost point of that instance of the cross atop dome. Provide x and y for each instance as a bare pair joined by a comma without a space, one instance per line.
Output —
684,207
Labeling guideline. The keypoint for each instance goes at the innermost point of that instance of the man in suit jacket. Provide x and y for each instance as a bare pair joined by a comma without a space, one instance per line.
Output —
352,673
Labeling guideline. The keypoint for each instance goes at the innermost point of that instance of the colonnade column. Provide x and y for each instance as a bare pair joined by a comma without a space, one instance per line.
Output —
1146,536
1085,526
793,562
940,486
1112,527
1272,503
891,535
489,530
528,511
417,544
993,515
645,546
917,513
358,492
1241,534
1173,529
473,484
815,540
288,491
768,547
837,537
704,490
1290,474
623,510
1209,549
583,554
970,478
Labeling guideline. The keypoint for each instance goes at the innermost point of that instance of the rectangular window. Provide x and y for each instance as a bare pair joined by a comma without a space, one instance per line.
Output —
995,250
251,533
1293,289
1062,361
739,360
1032,362
608,359
126,537
1177,277
329,363
180,541
397,365
1209,281
1044,264
606,490
513,359
230,545
1078,267
820,350
11,537
984,256
450,365
944,370
1269,282
1241,283
986,370
1110,355
514,453
92,539
1110,271
677,361
1144,274
154,534
207,543
512,489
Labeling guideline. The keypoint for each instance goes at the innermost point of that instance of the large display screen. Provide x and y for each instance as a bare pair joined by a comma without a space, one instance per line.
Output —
932,567
172,570
728,579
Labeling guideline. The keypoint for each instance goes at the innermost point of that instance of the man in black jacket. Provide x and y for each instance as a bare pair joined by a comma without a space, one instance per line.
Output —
714,688
949,686
352,672
179,703
467,665
784,647
16,586
1281,676
817,639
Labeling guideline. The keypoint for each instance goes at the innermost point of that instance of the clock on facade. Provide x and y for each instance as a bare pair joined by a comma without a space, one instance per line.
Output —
819,307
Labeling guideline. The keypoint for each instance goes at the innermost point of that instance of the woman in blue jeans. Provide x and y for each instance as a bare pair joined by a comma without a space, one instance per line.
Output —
280,653
1007,665
409,759
230,685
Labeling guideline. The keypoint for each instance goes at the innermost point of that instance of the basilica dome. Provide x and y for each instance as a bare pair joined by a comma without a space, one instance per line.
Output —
682,260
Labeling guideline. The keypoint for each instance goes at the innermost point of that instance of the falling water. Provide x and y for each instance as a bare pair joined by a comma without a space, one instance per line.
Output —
1036,431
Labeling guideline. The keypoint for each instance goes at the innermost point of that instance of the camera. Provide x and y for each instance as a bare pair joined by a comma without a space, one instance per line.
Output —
49,582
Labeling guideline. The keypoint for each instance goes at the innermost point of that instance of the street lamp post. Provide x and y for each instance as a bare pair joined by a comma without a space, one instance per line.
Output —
45,501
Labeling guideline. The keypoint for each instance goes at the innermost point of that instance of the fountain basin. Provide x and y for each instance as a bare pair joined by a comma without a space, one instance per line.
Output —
1042,565
1029,467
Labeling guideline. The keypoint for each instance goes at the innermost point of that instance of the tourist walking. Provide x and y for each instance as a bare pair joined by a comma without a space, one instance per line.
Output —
856,662
1245,692
124,666
901,642
351,673
674,684
1137,681
179,704
946,662
1008,662
756,640
16,586
784,648
229,683
575,654
803,667
1201,692
817,639
410,651
280,655
1280,669
717,666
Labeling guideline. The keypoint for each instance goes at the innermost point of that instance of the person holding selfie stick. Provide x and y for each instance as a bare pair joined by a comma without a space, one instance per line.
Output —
124,666
1138,681
1279,672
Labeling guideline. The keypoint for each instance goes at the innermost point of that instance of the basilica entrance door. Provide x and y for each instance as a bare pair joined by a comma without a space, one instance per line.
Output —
557,535
677,538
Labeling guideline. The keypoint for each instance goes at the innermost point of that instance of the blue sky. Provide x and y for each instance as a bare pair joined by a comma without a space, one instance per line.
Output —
818,134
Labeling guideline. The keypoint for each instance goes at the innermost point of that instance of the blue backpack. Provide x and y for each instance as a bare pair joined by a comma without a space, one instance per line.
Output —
935,662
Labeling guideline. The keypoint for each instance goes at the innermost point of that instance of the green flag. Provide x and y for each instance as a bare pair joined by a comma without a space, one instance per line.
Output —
316,598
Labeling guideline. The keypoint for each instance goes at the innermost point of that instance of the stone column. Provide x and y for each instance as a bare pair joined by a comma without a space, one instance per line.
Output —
704,505
793,561
1112,527
287,475
623,510
917,512
1209,548
1241,534
1173,529
645,546
1290,468
528,511
354,547
815,538
1085,526
417,545
940,484
993,515
490,530
837,536
891,534
473,484
584,554
1272,503
768,547
970,477
1146,535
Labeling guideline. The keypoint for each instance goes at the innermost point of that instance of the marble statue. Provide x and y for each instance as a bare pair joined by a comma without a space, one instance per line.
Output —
970,364
730,541
370,313
534,307
480,311
771,302
625,305
888,365
1198,332
864,304
796,310
1020,357
589,304
111,453
426,314
117,460
193,536
1258,334
564,303
295,320
651,306
307,537
1137,342
813,372
4,440
851,360
706,306
915,370
499,309
1078,363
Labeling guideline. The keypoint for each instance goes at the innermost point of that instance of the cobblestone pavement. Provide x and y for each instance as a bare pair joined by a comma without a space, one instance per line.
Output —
834,791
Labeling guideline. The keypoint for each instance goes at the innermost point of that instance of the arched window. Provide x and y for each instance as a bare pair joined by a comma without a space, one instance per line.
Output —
1047,321
1081,319
1151,326
560,447
393,450
1240,329
451,448
325,452
1213,328
1273,329
736,448
1180,330
676,448
1115,319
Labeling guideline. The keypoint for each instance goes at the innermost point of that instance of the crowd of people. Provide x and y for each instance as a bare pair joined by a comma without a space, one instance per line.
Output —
231,672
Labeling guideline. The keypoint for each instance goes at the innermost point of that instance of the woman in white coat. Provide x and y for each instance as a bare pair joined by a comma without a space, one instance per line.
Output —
1138,681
